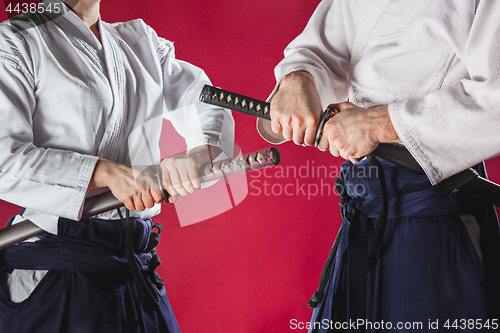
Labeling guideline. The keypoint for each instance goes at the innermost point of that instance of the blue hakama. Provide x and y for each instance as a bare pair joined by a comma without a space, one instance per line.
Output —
427,270
89,286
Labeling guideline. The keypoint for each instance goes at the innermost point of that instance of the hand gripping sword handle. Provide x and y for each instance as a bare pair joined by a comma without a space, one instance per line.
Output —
251,106
468,180
231,166
104,202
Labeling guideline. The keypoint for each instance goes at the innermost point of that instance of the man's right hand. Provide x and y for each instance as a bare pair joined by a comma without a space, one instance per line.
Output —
180,173
124,186
296,108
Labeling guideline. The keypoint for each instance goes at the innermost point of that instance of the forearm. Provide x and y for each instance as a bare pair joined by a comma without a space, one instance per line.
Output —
101,174
322,50
211,152
330,87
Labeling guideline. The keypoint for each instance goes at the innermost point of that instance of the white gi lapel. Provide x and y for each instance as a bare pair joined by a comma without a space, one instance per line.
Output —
112,144
69,22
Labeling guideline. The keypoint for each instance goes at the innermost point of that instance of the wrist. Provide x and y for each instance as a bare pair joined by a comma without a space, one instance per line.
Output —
101,174
386,132
206,151
297,76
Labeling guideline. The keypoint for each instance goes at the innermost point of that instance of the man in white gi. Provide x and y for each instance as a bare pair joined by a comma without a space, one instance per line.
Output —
73,90
425,74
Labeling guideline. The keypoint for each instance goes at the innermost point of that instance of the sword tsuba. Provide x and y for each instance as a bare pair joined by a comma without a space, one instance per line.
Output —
330,111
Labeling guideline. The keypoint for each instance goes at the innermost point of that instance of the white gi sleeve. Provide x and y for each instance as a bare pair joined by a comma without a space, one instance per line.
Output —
325,56
197,122
447,130
51,181
457,126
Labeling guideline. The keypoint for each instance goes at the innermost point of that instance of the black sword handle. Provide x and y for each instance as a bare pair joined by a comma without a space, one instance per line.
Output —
236,102
250,106
468,180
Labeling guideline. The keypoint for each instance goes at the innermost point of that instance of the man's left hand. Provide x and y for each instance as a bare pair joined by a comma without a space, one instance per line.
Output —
355,131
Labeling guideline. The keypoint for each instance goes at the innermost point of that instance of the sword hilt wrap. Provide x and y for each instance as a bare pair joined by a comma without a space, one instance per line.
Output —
240,164
254,107
230,166
236,102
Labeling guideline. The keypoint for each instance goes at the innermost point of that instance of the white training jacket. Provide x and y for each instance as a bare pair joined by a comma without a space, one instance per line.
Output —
435,63
66,100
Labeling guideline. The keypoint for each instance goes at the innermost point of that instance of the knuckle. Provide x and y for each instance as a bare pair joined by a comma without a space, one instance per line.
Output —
275,104
169,163
329,128
157,197
332,137
340,144
344,105
164,164
298,122
188,186
310,120
174,182
282,120
179,188
129,204
276,113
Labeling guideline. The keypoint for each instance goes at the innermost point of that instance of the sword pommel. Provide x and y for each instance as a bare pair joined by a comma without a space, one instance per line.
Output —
275,155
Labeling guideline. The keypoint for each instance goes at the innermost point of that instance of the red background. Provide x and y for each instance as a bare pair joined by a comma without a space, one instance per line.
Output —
253,268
